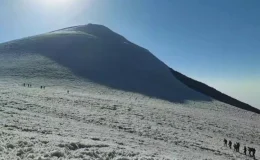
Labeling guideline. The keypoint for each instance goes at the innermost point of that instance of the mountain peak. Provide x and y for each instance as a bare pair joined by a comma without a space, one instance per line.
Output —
97,30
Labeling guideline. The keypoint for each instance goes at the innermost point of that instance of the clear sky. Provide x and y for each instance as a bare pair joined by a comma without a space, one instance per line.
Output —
213,41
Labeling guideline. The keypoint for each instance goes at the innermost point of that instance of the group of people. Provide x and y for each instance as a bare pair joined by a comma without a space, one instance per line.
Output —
42,87
236,146
28,85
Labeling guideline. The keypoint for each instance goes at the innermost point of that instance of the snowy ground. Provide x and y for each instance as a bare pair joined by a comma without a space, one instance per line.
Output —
94,122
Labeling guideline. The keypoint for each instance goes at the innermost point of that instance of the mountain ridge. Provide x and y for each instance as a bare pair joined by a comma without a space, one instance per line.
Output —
212,92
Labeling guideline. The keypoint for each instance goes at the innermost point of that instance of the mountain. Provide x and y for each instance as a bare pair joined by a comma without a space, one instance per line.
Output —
97,54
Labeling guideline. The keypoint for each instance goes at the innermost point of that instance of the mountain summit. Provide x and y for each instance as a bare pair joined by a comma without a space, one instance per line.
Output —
95,53
99,31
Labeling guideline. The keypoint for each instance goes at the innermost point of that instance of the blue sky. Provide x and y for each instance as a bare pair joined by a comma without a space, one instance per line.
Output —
216,42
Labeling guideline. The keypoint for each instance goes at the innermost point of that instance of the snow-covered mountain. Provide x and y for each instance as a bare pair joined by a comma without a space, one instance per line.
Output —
97,54
107,98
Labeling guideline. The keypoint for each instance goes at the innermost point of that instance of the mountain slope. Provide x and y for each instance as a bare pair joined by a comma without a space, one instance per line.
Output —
97,54
207,90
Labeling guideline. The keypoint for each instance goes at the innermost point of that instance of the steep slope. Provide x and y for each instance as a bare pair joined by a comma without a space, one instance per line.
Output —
97,54
207,90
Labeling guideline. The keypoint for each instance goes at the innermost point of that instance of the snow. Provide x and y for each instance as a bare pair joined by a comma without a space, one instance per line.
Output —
121,105
94,122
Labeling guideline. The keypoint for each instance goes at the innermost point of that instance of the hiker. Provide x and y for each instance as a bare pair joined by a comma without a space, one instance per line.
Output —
68,91
41,87
237,147
253,152
230,144
225,142
24,84
249,151
245,150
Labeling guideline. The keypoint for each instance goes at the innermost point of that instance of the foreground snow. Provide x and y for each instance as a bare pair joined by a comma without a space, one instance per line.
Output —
94,122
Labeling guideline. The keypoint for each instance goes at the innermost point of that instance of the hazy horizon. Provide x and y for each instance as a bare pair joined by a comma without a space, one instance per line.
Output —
215,42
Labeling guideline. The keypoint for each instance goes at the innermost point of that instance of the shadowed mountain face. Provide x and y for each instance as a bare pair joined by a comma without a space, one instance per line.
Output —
96,53
203,88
